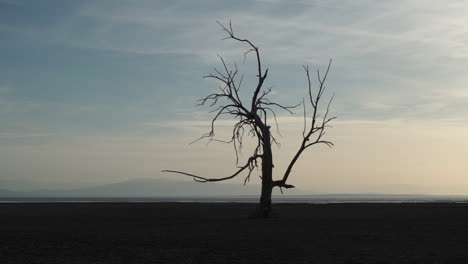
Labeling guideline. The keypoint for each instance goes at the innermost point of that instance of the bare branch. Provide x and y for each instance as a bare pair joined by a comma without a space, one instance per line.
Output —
286,108
274,118
230,32
305,125
314,128
250,164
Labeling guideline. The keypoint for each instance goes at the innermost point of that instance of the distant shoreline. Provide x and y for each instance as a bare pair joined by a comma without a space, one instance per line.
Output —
303,199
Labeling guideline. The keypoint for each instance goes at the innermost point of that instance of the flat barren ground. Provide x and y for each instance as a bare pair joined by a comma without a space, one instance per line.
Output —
222,233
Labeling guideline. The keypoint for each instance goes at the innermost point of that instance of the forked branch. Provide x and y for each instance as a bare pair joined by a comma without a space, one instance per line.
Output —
317,127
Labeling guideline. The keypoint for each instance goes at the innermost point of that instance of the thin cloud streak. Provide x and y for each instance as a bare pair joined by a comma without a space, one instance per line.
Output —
447,30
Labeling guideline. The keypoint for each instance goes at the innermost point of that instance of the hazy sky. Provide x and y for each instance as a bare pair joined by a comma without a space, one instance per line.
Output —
100,91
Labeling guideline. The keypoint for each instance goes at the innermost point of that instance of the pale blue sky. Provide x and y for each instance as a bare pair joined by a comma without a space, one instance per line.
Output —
84,82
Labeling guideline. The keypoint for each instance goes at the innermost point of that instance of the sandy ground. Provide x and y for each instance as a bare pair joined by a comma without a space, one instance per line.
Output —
222,233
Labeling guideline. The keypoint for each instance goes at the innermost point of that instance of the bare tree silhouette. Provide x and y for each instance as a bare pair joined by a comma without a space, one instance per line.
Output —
253,119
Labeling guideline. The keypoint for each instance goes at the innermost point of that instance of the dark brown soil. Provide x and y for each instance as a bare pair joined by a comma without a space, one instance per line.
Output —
222,233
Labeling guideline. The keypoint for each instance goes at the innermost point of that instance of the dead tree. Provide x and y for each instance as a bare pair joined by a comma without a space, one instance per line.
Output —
254,117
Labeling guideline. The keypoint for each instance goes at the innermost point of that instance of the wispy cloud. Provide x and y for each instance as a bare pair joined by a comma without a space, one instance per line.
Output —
389,55
398,48
348,28
303,30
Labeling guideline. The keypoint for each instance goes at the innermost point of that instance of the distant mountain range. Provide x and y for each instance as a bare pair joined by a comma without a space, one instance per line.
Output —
147,188
144,188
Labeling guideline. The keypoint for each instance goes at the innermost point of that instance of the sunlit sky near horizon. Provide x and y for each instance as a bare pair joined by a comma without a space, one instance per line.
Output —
96,92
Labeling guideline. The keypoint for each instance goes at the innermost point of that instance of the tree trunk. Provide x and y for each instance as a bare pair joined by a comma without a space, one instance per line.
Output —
265,199
267,176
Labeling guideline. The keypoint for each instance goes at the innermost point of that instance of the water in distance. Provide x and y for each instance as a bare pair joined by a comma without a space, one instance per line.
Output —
313,199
